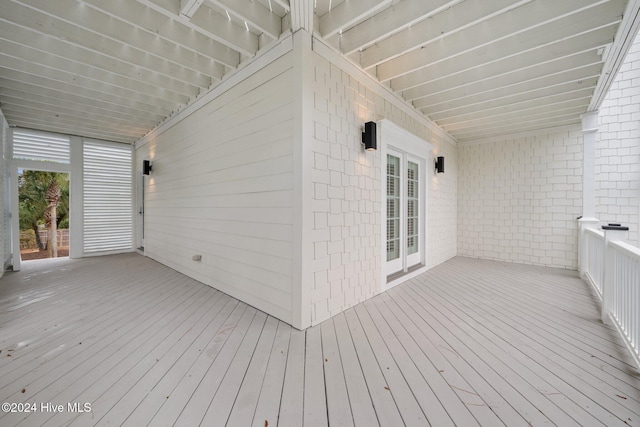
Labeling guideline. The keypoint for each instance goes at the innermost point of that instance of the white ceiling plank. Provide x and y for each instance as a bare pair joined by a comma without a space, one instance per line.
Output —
88,95
521,27
53,27
573,107
392,20
549,122
72,122
579,98
252,12
499,59
10,31
564,126
119,31
189,7
542,97
481,93
207,27
22,121
504,76
12,96
29,61
349,13
85,116
454,19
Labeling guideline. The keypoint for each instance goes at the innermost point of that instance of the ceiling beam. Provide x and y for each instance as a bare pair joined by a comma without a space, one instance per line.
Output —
348,14
452,20
511,116
524,126
520,102
254,14
189,7
523,27
494,90
9,31
84,26
61,71
496,61
207,26
394,19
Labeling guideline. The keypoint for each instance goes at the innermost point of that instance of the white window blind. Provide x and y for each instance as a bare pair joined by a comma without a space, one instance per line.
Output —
40,146
108,221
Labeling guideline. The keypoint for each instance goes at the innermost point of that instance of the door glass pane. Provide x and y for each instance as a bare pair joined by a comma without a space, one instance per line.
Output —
393,207
412,208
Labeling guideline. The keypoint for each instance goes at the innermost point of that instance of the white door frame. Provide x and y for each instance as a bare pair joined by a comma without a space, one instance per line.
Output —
392,138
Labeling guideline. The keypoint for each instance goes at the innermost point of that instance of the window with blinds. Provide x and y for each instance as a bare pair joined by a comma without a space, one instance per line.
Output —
108,219
41,146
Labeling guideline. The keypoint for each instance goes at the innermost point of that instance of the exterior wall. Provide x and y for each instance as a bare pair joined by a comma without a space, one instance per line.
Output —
346,199
221,187
519,199
618,149
5,233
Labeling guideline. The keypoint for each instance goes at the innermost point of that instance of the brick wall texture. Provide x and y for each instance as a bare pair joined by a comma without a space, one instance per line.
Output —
519,199
618,149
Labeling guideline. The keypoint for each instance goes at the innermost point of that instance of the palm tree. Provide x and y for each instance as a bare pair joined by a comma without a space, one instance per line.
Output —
43,196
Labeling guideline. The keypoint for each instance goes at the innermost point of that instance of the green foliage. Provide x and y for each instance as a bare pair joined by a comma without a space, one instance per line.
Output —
32,188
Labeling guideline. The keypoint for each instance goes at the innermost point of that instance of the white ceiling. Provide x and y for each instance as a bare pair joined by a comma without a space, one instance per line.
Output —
114,69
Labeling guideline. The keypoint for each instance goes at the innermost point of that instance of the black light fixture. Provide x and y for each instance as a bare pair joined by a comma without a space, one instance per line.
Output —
440,164
369,139
147,167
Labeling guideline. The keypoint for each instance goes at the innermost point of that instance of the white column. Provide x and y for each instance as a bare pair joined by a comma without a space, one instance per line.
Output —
610,233
589,132
583,250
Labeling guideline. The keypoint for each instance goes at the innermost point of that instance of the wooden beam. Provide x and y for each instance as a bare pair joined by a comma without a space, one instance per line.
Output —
189,7
515,103
531,25
392,20
159,16
438,26
254,14
501,60
348,14
495,89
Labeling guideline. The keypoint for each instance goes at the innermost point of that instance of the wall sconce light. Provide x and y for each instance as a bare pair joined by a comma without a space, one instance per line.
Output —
369,139
147,167
440,164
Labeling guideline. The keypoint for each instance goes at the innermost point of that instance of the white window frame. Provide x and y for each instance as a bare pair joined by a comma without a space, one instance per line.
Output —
394,139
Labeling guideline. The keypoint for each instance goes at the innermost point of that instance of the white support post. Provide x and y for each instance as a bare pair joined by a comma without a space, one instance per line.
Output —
583,251
611,233
589,133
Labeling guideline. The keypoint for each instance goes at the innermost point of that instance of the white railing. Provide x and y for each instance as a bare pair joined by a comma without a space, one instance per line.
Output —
624,302
594,247
612,267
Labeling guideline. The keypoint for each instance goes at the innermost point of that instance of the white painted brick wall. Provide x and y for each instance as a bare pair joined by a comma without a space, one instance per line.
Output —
519,199
346,201
618,149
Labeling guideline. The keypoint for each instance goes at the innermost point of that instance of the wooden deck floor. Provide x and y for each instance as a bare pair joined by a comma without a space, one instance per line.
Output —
469,343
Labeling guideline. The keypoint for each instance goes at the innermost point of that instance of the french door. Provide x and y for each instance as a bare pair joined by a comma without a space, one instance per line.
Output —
405,214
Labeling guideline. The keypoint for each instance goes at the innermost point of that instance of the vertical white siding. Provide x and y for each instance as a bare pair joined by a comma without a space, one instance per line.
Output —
519,199
346,191
221,188
5,228
618,149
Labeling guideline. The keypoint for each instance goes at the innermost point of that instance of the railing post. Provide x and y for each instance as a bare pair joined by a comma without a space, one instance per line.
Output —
583,252
611,232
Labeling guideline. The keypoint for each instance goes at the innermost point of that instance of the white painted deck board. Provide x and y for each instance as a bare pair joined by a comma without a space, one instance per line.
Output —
470,342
